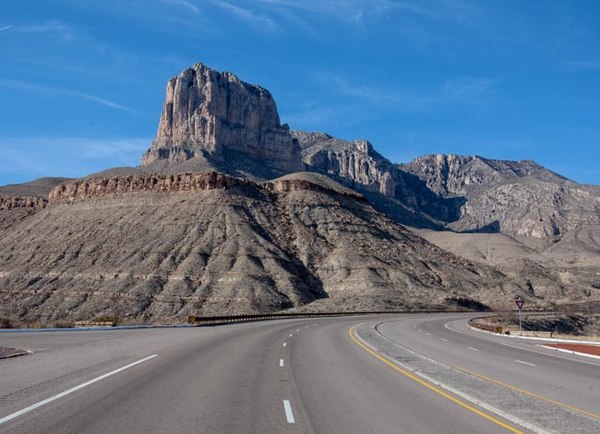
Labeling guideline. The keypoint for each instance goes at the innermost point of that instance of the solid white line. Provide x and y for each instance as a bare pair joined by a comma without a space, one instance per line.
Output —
472,349
284,344
524,363
71,390
443,340
281,363
288,411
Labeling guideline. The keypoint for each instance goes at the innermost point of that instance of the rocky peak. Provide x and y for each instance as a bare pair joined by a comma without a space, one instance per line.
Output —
519,198
357,165
452,175
209,113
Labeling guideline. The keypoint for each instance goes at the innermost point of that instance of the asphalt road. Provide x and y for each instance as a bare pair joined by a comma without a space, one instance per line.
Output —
570,379
267,377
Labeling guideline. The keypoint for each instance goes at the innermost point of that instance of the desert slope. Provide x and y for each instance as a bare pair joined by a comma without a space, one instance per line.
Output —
134,248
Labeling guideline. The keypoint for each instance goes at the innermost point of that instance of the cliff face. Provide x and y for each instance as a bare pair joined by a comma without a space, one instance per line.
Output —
101,187
27,202
210,113
519,198
356,164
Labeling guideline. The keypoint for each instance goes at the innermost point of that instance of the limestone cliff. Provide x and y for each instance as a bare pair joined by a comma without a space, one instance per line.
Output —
211,114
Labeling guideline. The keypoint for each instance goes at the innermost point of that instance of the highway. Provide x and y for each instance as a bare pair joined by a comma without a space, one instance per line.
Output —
338,375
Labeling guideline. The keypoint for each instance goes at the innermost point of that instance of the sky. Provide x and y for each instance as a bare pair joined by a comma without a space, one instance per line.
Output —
82,82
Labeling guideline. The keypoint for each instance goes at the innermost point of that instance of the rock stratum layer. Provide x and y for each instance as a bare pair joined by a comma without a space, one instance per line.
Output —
226,246
212,114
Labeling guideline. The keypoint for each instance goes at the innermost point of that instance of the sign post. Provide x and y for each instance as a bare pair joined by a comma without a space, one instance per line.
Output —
520,302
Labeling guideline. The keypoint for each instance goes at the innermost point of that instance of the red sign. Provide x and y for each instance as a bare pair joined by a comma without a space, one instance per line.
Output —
520,302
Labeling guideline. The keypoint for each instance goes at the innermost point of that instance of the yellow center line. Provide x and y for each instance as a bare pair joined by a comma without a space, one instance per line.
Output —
352,334
528,393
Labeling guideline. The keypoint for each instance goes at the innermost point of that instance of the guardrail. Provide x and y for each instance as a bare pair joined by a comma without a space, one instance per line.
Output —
202,320
476,323
79,324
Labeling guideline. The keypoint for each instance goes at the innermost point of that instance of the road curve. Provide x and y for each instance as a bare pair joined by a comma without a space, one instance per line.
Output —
270,377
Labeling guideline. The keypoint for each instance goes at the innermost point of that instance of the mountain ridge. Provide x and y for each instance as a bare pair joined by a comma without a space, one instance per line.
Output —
233,212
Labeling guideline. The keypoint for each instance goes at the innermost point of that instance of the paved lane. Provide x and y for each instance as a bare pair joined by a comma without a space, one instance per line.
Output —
570,379
269,377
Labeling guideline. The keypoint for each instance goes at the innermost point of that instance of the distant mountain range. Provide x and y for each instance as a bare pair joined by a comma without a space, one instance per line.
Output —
232,212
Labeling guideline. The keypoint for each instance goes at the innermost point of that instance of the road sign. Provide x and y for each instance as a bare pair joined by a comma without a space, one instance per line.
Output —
520,302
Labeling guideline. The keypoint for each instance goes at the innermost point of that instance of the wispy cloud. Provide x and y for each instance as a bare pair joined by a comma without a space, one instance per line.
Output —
258,20
580,65
358,11
373,94
468,88
32,157
6,27
188,6
58,91
319,117
59,28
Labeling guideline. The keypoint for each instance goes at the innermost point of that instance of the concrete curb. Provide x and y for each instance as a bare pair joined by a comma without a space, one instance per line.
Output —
531,338
562,350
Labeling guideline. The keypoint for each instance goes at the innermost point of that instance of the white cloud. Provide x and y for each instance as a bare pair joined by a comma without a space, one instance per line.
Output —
40,89
466,88
6,27
188,6
373,94
59,28
255,19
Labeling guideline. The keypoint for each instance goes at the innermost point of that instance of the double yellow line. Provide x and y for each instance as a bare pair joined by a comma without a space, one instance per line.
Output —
352,334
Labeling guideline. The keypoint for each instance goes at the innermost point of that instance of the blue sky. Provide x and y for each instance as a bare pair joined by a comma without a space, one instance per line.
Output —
82,82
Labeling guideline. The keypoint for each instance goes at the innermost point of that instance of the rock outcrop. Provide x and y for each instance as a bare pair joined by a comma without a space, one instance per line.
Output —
28,202
101,187
519,198
356,164
13,209
211,114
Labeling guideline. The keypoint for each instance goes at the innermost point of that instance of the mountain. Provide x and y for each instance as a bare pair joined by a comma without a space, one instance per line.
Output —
160,247
231,212
519,198
216,119
401,195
